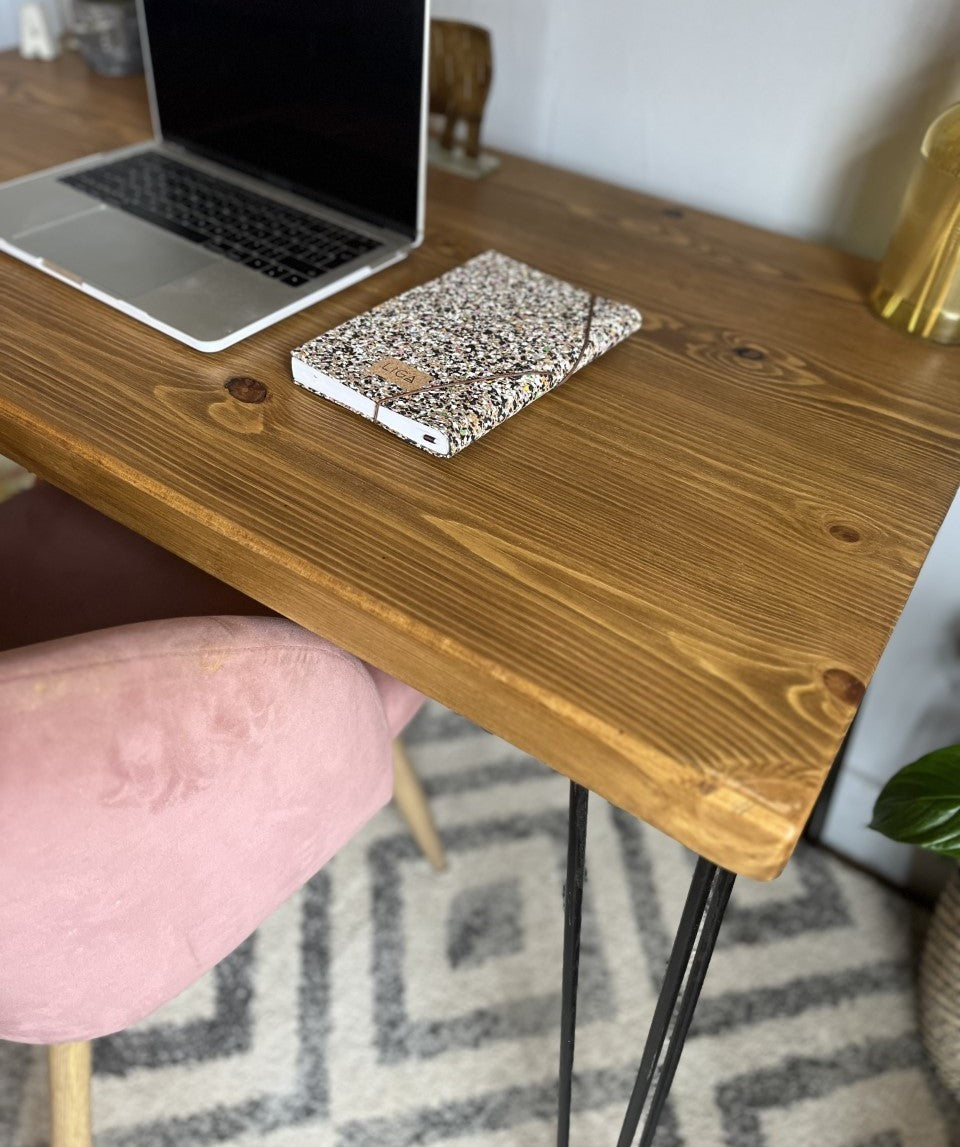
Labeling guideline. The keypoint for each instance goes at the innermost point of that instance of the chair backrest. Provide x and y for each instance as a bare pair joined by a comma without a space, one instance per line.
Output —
163,787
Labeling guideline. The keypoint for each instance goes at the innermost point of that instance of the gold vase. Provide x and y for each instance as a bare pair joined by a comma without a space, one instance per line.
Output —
918,287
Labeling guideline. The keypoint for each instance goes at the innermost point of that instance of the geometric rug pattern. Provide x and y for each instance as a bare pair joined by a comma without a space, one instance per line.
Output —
386,1005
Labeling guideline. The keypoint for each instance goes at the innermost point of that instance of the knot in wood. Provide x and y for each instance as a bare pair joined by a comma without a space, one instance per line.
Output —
845,533
844,686
750,352
246,389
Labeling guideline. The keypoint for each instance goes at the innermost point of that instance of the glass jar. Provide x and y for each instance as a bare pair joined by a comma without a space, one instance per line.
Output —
918,289
108,36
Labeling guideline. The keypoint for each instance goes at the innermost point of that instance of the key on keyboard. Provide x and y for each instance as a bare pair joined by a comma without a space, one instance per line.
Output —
278,241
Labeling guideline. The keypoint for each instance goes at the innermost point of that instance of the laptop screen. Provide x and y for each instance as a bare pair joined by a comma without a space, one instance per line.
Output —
321,97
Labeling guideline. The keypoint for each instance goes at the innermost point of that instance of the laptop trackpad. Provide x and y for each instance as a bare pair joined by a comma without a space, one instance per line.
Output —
117,253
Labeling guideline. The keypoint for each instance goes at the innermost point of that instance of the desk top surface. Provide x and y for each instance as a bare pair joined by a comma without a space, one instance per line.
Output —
670,580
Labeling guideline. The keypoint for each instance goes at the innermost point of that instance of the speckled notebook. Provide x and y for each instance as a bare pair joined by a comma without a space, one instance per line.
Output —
444,363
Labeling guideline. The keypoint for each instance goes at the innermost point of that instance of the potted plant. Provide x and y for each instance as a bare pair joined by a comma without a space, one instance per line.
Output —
920,805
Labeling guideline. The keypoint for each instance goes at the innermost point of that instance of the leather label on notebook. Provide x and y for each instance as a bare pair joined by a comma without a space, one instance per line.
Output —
393,370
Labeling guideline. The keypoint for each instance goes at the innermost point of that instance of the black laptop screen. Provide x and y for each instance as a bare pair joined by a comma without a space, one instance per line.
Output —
322,97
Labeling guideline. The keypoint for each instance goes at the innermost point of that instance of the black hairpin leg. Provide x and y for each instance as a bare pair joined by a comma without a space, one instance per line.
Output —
696,937
703,911
572,908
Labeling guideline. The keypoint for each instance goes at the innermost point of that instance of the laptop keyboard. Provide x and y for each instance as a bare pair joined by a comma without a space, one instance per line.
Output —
278,241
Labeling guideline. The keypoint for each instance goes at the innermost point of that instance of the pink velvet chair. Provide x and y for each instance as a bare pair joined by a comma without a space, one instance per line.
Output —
172,767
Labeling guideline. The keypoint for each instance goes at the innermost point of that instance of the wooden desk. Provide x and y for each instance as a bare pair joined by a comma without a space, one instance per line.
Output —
670,580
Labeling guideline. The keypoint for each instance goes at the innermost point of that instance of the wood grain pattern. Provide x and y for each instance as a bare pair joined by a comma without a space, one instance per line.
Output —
670,580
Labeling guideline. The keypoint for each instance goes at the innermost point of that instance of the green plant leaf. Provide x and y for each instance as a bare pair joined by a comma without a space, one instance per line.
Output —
921,803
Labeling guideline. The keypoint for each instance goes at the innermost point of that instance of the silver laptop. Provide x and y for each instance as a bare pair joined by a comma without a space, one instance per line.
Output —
288,163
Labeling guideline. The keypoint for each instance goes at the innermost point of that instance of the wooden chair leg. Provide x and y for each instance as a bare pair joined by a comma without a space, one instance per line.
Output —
69,1065
414,807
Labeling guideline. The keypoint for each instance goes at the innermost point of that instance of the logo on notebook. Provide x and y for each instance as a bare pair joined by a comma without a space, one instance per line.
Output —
401,373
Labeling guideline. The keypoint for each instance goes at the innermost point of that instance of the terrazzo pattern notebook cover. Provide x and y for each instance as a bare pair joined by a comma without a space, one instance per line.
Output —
444,363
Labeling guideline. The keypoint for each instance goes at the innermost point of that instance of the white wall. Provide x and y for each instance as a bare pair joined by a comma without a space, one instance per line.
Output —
8,23
801,117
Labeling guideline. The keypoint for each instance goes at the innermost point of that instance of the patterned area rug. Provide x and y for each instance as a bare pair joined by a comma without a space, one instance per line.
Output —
387,1006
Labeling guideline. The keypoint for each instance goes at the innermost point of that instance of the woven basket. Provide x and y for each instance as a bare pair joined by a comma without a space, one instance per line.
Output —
940,987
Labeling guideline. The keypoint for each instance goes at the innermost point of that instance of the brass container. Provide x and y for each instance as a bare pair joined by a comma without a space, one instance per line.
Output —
918,287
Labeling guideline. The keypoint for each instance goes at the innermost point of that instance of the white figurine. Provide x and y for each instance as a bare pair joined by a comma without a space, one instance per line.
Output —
37,41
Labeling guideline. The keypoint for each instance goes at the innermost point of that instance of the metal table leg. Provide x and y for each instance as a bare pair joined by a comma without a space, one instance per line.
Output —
703,911
696,937
572,911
